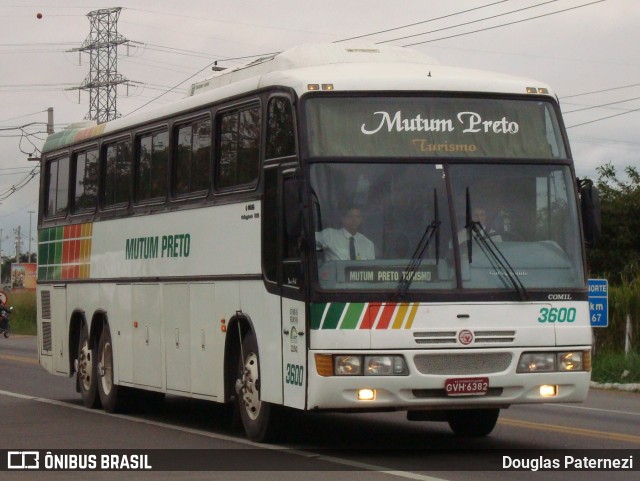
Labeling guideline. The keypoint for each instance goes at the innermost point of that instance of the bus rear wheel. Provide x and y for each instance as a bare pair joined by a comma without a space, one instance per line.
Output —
87,379
473,422
257,416
112,396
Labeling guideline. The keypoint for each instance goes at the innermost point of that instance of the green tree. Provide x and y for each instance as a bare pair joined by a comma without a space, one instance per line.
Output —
617,254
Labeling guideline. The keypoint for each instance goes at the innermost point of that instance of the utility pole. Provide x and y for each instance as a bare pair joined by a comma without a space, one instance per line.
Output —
50,120
18,244
103,79
29,251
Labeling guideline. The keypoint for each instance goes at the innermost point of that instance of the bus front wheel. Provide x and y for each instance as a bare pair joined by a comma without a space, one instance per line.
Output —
87,378
256,415
473,422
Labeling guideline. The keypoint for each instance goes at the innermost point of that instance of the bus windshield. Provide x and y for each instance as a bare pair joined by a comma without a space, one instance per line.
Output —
387,226
433,127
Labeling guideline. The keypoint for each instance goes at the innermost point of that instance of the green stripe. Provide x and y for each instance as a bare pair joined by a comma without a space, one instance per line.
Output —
333,315
352,316
316,315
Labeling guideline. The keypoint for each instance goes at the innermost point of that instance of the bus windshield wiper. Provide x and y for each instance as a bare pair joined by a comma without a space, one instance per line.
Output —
432,230
491,251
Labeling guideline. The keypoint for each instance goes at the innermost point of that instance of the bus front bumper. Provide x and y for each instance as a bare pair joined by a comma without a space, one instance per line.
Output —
449,385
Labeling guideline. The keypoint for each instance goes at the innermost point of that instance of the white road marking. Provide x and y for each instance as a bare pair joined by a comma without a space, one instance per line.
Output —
223,437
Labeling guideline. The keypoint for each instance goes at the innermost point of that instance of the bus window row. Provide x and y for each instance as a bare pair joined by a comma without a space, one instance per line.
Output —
158,164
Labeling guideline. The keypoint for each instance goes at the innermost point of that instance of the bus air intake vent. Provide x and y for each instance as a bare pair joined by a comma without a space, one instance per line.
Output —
435,337
45,304
494,337
46,336
462,364
450,337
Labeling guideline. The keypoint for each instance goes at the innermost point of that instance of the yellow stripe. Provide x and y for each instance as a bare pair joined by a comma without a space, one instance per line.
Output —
400,315
412,315
629,438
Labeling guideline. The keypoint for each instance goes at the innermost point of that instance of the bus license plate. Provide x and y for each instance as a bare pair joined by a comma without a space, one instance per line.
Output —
470,386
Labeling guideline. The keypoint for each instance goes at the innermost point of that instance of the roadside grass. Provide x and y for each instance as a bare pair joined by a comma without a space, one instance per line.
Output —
615,367
23,319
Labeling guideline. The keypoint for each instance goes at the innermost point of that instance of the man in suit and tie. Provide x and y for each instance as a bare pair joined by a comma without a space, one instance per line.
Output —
346,243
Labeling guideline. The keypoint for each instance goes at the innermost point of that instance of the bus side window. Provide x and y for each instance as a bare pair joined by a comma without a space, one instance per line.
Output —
238,159
117,173
192,169
57,187
280,131
85,194
152,160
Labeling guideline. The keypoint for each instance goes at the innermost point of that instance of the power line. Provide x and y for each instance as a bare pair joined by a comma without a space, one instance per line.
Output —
471,22
604,118
420,23
197,73
599,106
504,24
599,91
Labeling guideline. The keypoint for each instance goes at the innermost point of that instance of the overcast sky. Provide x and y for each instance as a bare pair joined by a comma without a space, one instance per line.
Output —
587,50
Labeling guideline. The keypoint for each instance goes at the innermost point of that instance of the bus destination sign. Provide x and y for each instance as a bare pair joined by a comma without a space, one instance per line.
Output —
376,274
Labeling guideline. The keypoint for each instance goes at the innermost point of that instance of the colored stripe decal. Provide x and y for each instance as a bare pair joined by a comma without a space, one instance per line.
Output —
370,316
402,312
358,315
333,315
352,316
65,252
385,317
317,311
412,316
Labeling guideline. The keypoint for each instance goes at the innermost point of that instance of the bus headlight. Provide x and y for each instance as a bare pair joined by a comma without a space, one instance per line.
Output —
553,361
371,365
537,362
570,361
385,366
348,365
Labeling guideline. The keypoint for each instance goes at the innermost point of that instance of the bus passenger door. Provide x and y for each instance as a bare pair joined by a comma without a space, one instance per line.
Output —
294,332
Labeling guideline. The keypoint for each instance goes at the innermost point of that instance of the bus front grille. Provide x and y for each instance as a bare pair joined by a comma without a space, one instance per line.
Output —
462,364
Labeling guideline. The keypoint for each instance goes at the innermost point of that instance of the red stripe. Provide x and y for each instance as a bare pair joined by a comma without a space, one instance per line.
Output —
385,318
370,316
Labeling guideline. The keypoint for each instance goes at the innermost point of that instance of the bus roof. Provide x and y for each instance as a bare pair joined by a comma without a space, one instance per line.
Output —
338,67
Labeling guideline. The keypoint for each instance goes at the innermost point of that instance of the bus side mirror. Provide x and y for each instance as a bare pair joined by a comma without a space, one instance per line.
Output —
590,207
293,207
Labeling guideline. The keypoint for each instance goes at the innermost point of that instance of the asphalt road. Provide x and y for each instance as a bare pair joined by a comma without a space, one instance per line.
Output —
43,412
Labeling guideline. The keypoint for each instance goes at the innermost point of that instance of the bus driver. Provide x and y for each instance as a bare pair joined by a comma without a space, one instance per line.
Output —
346,243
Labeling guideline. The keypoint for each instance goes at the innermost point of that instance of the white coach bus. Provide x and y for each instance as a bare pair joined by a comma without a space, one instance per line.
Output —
202,249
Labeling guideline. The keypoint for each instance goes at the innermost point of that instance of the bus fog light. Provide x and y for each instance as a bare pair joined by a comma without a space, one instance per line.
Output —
548,390
570,361
366,394
348,365
385,366
537,362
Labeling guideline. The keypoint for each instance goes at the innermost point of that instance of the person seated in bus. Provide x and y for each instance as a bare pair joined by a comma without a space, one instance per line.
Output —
479,215
346,243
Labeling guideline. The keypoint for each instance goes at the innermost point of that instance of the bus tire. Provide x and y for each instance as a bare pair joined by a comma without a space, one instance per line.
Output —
473,422
257,416
112,396
87,371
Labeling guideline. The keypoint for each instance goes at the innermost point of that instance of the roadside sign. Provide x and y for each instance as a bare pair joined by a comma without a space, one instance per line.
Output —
599,302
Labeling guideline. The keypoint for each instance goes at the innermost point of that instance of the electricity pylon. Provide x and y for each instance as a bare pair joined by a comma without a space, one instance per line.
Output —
103,79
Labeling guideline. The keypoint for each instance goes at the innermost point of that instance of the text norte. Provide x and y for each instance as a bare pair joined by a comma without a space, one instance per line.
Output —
175,245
